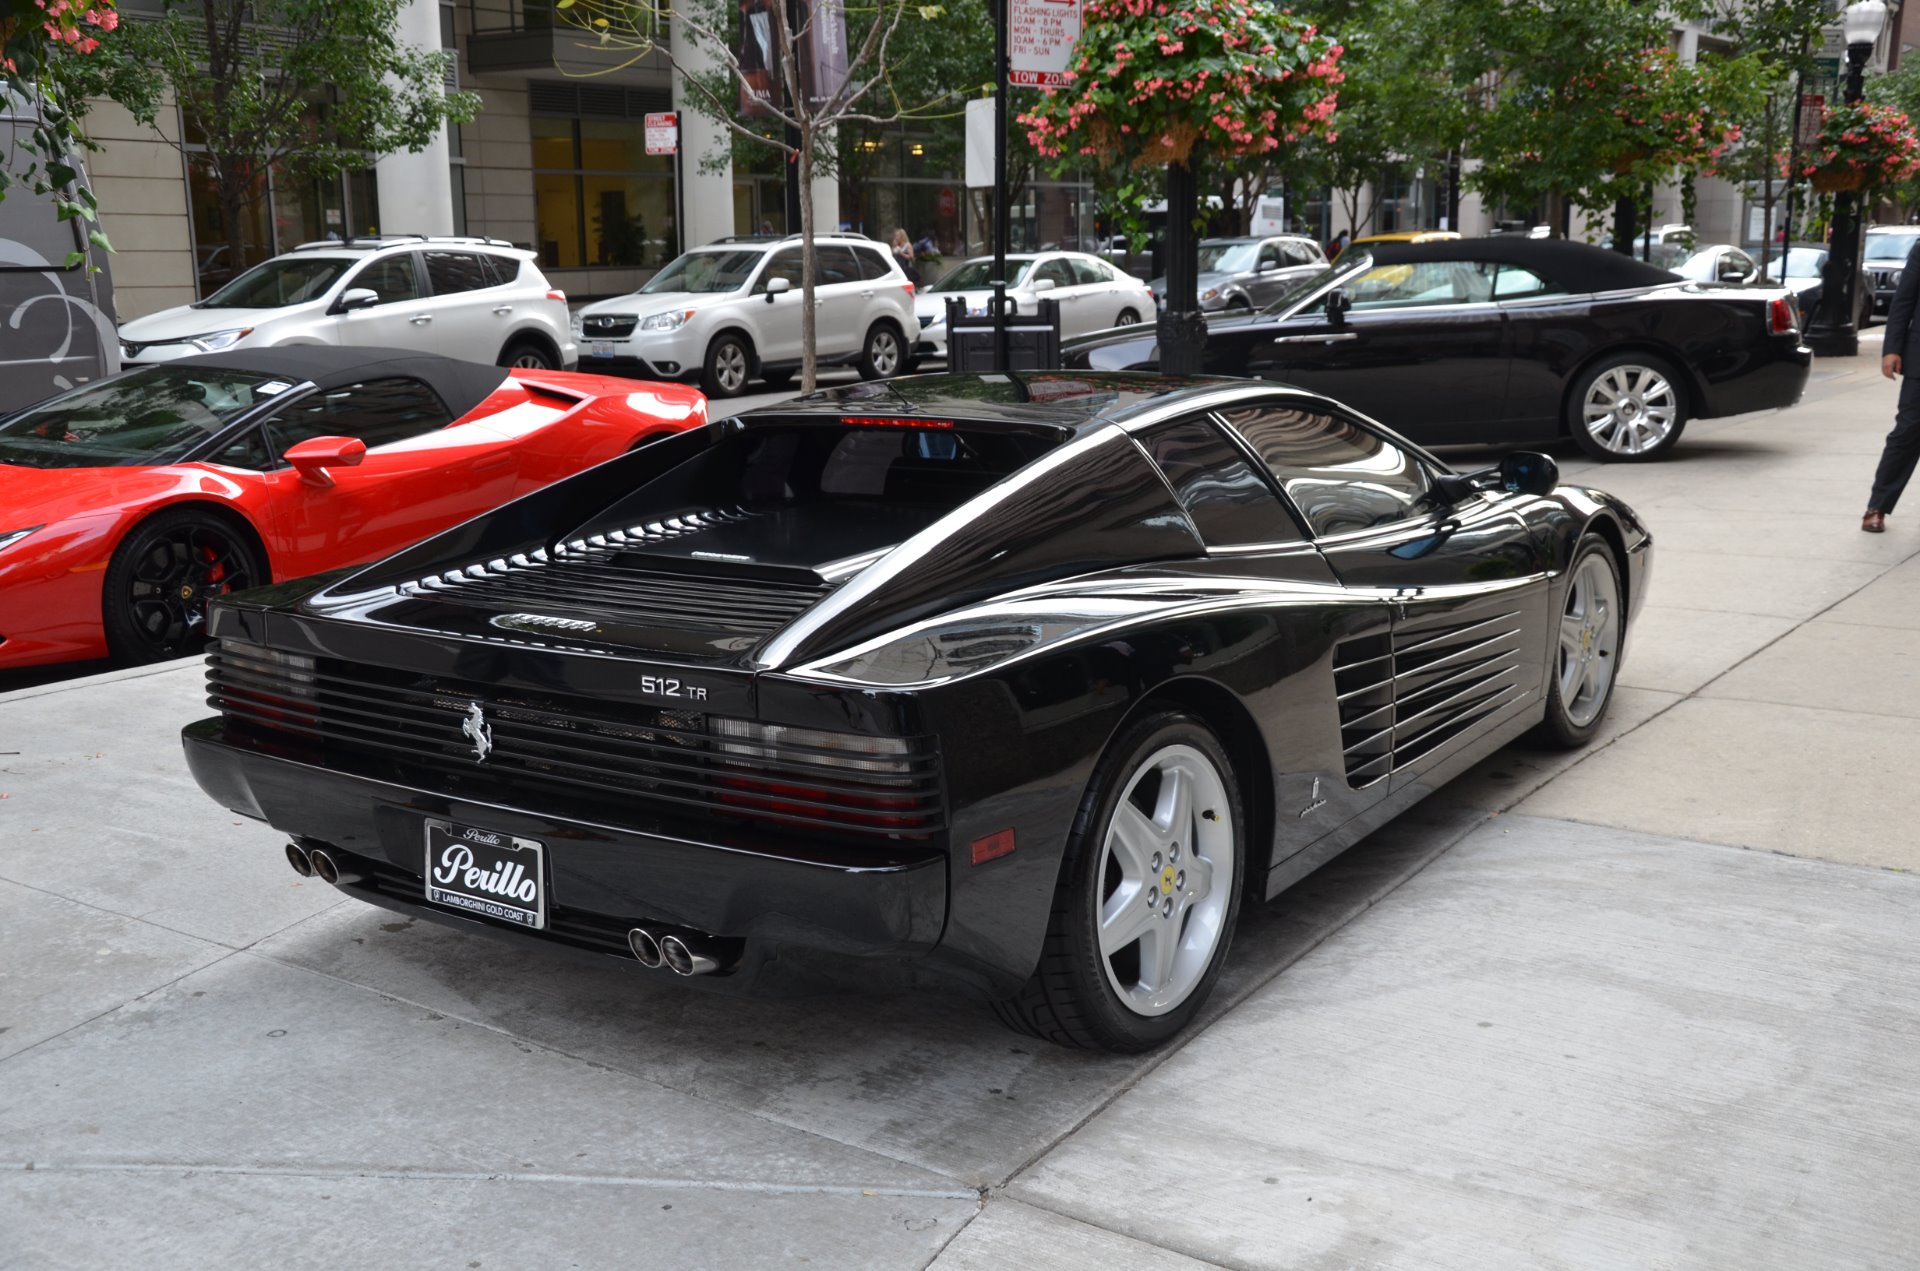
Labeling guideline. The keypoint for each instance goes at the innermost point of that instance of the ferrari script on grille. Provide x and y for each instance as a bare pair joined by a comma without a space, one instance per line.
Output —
510,880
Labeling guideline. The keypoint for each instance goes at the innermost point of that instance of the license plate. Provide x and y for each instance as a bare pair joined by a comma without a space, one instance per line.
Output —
602,348
488,873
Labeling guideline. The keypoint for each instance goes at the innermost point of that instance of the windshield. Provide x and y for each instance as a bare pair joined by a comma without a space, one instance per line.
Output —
289,280
1352,262
705,272
1227,258
1890,246
150,416
1800,262
976,275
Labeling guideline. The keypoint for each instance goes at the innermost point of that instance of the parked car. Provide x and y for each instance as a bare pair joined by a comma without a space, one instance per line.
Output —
479,299
1023,683
127,504
1717,262
1244,274
1400,236
1887,249
1093,295
1510,341
729,312
1801,269
56,316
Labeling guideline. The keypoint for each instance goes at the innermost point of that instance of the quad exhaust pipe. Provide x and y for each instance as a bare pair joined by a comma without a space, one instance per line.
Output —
312,862
682,952
298,858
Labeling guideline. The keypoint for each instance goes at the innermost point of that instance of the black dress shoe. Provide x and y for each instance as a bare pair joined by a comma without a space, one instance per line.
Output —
1874,522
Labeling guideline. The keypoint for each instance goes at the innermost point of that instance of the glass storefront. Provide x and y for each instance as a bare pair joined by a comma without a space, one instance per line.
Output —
601,199
281,212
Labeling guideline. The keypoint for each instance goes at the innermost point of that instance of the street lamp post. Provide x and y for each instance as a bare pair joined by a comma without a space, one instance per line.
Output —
1832,333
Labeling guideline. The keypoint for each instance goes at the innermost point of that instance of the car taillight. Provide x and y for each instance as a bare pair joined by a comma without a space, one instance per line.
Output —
909,287
264,685
557,294
810,776
1781,316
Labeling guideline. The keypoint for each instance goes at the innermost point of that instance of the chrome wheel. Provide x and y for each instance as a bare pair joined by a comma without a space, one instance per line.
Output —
530,360
883,353
730,367
1165,880
1630,409
1589,641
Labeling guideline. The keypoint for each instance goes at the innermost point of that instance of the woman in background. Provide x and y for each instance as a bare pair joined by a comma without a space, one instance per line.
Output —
903,252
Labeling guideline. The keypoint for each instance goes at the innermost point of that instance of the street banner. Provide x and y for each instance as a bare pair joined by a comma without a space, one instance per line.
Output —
979,142
1812,108
759,72
823,61
1040,39
663,133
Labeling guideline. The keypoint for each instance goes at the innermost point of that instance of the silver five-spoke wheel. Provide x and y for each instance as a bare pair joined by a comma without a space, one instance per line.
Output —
1630,409
1589,640
1166,879
730,367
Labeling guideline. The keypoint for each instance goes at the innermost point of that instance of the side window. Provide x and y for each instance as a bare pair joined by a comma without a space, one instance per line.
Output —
837,264
500,268
391,278
1087,271
1514,283
1341,477
873,266
1424,282
1055,269
1301,254
1229,502
1269,255
249,450
785,264
378,412
452,272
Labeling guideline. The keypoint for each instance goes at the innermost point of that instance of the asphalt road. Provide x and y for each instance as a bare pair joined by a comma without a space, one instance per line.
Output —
1644,1006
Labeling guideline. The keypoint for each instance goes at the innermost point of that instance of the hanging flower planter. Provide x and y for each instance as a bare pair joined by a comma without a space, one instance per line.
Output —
1861,147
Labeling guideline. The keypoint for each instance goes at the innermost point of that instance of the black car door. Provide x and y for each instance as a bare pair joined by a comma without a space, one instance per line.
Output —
1423,349
1465,581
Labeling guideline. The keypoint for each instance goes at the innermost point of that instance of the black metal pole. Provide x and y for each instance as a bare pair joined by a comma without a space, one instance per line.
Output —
1625,210
1453,189
1182,330
1832,333
1002,215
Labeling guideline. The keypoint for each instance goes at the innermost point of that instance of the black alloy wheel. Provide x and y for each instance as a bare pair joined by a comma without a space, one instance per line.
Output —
527,355
884,355
163,575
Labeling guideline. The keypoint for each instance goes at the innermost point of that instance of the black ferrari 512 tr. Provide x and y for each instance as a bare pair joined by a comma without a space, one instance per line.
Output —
1020,683
1509,341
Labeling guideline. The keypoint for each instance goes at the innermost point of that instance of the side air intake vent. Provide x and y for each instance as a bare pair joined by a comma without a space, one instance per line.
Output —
1402,698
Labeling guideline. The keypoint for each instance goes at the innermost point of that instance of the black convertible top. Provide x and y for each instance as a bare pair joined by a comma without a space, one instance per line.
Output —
1574,267
461,385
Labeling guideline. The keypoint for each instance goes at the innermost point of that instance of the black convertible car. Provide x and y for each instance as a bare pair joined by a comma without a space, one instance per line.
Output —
1509,341
1019,683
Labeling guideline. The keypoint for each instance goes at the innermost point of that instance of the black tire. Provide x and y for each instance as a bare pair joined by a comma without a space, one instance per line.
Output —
778,381
529,355
1127,318
1071,999
883,354
1627,371
154,602
728,366
1560,730
1239,306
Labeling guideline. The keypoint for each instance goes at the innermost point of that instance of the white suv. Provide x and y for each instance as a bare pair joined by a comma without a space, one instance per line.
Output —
730,311
477,299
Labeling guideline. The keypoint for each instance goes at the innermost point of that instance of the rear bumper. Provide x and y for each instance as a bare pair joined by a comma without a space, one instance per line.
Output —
602,879
1777,379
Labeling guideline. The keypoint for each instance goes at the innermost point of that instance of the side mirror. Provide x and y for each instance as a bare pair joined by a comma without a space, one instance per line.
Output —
1268,266
1044,284
357,298
312,457
1528,472
1338,302
777,286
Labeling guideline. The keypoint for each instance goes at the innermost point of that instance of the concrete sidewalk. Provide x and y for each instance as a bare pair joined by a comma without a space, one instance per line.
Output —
1593,1034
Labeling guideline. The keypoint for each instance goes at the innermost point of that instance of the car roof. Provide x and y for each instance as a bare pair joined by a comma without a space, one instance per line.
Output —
1067,401
461,385
1575,266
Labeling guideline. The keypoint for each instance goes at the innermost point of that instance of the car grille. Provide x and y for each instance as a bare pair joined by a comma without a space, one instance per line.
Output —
608,325
601,576
549,752
1884,279
1404,696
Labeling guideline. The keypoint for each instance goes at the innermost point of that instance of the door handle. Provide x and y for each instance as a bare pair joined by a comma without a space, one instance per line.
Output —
1315,339
419,318
503,309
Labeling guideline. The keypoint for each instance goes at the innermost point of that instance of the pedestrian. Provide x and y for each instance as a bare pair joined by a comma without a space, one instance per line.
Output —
903,252
1339,244
1898,358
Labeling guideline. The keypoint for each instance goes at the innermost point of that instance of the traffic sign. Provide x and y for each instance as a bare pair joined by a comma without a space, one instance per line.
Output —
663,133
1040,40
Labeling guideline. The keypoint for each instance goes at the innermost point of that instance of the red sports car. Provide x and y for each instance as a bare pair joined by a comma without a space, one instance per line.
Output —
127,503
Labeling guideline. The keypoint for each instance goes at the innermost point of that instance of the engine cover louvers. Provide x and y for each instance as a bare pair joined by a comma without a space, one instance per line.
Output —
1402,697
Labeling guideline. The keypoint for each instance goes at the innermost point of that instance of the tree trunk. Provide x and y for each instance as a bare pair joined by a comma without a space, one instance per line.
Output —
810,365
233,204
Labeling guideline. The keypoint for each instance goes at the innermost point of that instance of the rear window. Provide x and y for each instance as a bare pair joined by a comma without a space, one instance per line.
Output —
930,468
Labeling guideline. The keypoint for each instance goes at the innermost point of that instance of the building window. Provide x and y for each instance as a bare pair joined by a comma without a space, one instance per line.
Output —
602,199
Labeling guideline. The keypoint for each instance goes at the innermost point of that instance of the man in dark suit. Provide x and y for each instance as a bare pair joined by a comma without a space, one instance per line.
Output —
1899,353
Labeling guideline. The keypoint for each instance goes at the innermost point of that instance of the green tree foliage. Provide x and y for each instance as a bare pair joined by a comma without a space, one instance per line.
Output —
312,87
42,41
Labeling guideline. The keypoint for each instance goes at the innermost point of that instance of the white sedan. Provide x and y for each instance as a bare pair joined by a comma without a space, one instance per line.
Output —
1092,294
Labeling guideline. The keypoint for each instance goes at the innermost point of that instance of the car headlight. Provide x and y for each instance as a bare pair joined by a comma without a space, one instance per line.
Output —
217,340
672,321
9,537
1893,279
1211,293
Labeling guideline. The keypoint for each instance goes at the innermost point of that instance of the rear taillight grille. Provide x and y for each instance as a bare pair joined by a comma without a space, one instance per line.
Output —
551,751
1781,316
